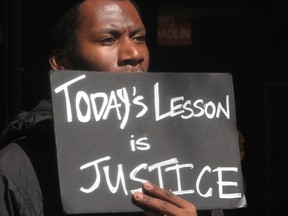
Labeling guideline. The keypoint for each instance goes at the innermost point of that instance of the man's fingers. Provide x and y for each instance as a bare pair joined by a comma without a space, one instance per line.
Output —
165,195
164,202
155,204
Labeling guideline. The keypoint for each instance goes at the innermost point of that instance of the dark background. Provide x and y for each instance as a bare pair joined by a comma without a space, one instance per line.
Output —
245,37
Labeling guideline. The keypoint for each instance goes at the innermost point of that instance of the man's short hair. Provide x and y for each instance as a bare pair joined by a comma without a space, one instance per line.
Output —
66,24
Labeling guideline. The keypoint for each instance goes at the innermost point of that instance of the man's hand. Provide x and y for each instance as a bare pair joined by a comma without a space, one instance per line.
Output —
157,201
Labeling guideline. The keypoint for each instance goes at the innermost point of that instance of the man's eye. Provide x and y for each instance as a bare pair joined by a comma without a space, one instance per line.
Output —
139,38
107,41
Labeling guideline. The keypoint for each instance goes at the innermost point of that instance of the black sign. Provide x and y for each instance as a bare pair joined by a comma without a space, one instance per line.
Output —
115,131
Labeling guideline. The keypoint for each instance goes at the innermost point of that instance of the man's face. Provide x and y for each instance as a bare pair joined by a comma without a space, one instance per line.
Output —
110,37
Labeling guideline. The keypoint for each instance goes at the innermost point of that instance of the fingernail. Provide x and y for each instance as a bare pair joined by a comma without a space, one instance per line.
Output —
148,185
138,196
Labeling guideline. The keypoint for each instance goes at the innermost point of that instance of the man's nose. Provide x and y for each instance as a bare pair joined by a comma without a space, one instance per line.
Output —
130,53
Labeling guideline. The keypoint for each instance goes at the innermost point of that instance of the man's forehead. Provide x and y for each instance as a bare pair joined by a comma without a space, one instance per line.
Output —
104,7
102,3
111,11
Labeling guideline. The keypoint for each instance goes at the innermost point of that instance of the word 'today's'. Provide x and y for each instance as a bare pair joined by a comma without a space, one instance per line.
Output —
100,104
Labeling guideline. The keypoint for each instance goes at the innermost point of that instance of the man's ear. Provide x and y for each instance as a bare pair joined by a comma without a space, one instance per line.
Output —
60,60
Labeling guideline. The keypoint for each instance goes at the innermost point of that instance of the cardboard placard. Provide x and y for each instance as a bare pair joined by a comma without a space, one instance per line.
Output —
116,130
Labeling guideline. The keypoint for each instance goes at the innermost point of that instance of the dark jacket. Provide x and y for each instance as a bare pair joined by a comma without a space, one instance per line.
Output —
28,171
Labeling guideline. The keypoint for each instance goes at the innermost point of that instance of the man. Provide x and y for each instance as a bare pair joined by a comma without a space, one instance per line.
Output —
98,35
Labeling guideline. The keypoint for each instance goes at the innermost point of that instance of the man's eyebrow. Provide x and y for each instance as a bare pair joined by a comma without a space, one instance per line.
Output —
110,29
139,30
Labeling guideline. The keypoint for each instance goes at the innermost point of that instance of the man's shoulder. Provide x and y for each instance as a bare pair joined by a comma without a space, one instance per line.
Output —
16,167
19,185
11,154
15,164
